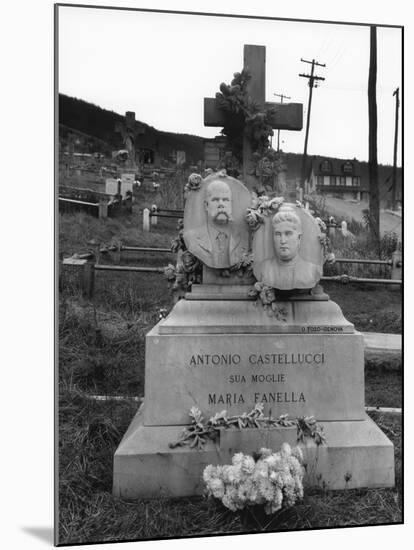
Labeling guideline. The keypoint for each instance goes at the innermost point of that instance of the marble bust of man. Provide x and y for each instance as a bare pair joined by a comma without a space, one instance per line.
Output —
287,270
217,242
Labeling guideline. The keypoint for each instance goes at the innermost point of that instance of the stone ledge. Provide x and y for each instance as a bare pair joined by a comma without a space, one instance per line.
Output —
377,342
357,455
247,317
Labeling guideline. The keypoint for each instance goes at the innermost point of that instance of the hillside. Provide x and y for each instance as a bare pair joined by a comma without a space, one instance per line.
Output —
99,126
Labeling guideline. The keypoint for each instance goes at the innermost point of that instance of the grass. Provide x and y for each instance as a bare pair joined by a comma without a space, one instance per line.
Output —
102,351
372,308
91,431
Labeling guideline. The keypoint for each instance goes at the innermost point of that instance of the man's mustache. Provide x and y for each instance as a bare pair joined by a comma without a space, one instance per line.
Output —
225,214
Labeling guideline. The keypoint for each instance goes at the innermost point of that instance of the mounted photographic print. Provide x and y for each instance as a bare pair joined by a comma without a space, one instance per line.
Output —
230,274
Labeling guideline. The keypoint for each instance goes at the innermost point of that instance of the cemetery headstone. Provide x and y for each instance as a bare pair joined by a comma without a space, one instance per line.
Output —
130,129
219,351
123,185
111,186
146,219
127,184
284,346
180,160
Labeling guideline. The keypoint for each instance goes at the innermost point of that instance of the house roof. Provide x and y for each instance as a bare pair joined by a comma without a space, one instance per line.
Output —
335,167
359,169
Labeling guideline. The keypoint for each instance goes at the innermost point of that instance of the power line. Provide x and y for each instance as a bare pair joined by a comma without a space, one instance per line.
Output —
282,97
312,82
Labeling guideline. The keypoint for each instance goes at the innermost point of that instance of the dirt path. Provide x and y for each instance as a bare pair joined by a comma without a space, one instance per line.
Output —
343,209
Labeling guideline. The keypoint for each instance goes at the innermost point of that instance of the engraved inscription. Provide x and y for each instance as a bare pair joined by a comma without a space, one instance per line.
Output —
256,359
257,397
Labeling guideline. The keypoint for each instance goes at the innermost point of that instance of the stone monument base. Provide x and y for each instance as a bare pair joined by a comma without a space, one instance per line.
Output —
357,454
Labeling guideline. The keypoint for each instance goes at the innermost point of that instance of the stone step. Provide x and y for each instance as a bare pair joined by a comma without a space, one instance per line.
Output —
379,342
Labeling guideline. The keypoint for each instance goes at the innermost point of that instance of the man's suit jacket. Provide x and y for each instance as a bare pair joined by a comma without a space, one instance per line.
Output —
199,243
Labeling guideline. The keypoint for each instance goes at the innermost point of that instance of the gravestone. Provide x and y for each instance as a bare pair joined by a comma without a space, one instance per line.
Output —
113,186
130,129
180,158
229,345
127,183
219,350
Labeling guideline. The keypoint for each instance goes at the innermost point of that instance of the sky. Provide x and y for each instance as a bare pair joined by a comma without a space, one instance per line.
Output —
162,66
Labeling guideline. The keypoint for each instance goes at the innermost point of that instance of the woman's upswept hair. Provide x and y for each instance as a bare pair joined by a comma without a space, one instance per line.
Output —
287,216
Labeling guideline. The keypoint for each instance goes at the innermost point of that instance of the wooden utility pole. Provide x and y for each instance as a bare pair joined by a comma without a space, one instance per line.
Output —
282,97
394,168
312,79
372,141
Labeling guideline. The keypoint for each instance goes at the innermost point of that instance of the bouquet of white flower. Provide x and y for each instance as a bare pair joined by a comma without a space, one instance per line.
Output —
274,480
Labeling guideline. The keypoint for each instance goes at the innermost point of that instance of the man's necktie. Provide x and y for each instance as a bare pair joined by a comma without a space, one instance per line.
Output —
221,241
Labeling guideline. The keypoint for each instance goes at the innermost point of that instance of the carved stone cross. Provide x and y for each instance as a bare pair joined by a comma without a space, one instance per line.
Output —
287,116
129,132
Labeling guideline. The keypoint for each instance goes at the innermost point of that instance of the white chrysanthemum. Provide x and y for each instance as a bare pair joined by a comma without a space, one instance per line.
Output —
285,450
253,494
273,461
216,487
281,465
266,489
276,504
233,494
231,474
209,473
229,503
281,479
226,473
271,508
237,474
289,497
278,497
289,482
277,479
264,452
248,465
237,459
245,489
298,486
261,471
294,466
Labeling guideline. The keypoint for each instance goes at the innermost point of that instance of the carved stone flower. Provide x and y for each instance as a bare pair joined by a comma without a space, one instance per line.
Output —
321,224
267,295
190,262
180,278
170,272
180,224
194,182
253,218
275,204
